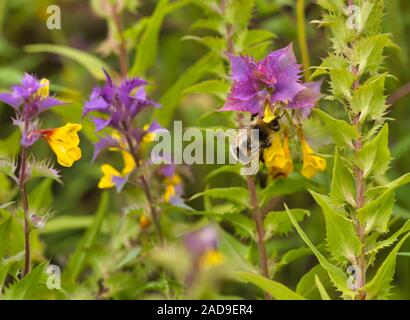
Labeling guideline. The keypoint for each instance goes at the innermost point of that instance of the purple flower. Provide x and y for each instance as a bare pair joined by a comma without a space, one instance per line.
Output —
201,241
32,94
275,79
29,99
306,99
118,105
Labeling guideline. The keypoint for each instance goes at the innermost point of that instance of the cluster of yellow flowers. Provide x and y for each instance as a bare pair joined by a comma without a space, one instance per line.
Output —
278,159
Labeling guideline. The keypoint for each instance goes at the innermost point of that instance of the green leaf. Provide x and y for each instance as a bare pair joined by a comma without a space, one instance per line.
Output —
369,100
393,185
277,222
67,223
321,288
342,240
234,251
275,289
307,286
206,65
336,274
292,255
93,64
375,215
336,6
230,168
44,169
379,286
235,194
216,44
77,260
343,133
374,157
218,88
290,185
5,236
343,187
22,289
341,83
389,241
41,197
367,52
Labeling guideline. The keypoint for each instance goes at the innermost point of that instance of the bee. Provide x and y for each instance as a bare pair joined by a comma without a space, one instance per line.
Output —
258,130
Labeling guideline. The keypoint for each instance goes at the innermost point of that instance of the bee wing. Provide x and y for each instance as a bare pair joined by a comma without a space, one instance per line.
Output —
245,146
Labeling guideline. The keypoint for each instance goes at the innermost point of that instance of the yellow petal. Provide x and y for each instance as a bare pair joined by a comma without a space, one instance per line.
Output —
106,180
211,258
129,163
312,164
169,192
144,222
64,142
277,157
44,91
268,115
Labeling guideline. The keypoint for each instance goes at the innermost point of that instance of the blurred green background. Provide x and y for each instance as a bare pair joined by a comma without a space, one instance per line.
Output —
23,23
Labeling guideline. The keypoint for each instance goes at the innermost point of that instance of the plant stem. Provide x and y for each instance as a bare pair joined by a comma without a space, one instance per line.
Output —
257,216
24,200
301,27
122,48
147,190
360,202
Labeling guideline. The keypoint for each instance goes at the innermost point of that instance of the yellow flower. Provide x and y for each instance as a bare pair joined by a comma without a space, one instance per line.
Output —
211,258
268,115
44,91
64,142
170,183
145,221
110,172
311,163
277,157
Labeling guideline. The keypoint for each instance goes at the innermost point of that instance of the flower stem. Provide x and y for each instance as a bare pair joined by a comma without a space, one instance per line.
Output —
24,200
147,190
122,48
360,202
257,216
301,27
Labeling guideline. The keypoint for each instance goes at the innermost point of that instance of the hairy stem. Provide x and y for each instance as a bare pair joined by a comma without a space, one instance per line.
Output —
257,216
360,202
301,27
24,200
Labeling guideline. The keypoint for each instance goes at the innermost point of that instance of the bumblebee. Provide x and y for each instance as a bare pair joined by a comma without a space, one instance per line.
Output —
243,148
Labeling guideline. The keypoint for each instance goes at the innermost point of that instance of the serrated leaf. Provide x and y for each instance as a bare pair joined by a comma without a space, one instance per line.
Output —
342,240
367,52
8,167
290,185
214,43
235,194
343,133
22,289
343,186
277,222
336,274
341,83
292,255
393,185
369,101
375,215
44,169
379,286
275,289
390,240
374,157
